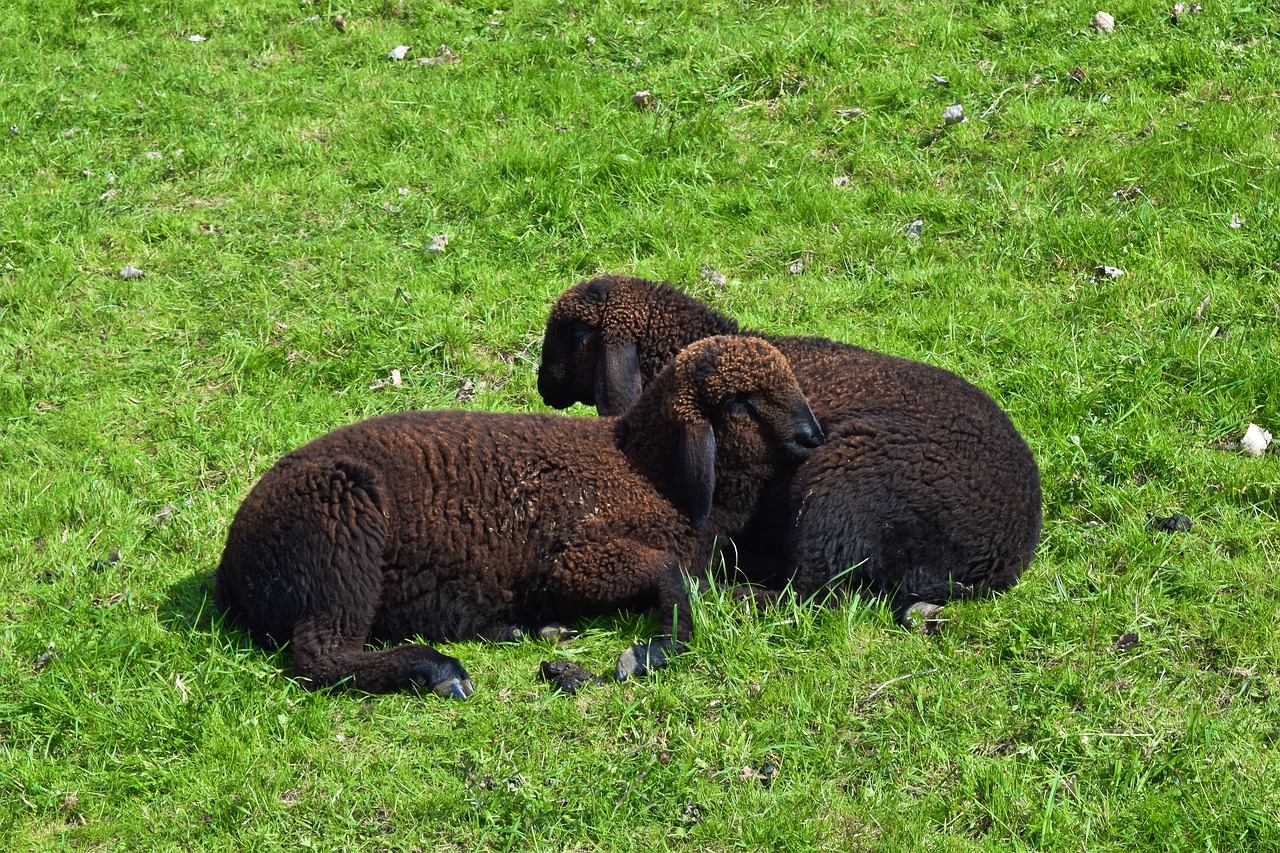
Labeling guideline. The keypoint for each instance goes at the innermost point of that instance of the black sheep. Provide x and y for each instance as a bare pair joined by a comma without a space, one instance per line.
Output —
453,525
925,492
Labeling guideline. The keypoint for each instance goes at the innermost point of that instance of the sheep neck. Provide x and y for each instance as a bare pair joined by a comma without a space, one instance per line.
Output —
674,321
650,440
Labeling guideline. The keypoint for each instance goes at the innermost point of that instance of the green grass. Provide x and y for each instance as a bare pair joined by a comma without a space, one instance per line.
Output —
279,184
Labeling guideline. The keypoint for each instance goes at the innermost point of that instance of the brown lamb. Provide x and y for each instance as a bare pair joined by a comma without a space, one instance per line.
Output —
924,492
454,525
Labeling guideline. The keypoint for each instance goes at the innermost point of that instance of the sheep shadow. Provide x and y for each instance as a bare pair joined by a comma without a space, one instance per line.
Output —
188,606
188,610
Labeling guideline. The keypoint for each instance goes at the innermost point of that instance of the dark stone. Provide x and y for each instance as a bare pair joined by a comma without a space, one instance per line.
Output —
1127,641
567,676
1176,523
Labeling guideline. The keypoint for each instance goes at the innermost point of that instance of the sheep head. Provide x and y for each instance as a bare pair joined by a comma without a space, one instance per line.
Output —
736,406
582,360
606,337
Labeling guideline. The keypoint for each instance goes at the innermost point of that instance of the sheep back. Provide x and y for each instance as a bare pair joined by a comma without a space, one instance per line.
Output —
924,486
925,490
464,522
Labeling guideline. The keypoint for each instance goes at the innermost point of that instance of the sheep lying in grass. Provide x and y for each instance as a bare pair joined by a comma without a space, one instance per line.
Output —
924,492
453,525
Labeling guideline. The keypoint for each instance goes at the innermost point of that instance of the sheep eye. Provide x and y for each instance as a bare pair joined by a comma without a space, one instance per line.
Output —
740,404
578,334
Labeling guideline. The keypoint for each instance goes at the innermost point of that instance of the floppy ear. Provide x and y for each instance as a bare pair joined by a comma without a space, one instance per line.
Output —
617,378
698,469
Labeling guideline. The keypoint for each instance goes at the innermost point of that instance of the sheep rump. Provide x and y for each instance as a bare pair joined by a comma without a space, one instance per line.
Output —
924,492
455,525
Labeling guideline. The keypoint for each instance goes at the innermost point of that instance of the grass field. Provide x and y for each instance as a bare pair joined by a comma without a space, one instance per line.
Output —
280,184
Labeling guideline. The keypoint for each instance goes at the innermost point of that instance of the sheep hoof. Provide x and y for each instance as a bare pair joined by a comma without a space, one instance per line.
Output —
453,688
556,631
444,675
642,659
511,634
923,617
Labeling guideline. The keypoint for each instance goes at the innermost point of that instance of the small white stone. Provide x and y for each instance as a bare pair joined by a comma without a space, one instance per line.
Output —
1104,23
444,56
1255,440
1204,303
196,38
394,381
130,272
713,276
398,52
438,243
953,114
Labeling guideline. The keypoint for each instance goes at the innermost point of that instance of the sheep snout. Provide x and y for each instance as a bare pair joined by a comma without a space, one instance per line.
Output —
808,432
805,436
554,390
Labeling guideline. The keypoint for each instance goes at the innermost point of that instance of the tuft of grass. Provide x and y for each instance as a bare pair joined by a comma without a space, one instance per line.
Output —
280,183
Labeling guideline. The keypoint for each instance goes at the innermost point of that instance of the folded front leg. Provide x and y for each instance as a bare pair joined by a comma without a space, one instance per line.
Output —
624,574
673,598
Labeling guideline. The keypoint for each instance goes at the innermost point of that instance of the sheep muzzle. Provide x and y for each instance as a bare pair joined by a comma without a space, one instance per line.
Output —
555,391
806,434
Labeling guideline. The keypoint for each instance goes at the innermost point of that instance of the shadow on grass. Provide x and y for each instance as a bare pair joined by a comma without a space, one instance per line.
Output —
189,606
189,609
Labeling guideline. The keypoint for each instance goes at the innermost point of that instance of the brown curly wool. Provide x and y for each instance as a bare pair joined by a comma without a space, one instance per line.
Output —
924,492
453,525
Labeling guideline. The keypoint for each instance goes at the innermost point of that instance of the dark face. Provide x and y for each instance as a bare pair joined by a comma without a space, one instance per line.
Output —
747,392
740,414
782,421
571,347
566,374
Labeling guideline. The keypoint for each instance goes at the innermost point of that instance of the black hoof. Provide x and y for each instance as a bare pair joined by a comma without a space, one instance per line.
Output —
556,631
453,688
923,617
643,659
567,676
511,634
444,676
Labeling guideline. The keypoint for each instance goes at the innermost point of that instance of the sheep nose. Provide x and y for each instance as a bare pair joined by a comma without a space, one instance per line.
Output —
807,431
553,393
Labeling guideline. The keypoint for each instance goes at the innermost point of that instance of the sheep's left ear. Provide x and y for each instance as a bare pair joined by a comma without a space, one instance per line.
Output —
698,469
617,378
